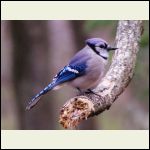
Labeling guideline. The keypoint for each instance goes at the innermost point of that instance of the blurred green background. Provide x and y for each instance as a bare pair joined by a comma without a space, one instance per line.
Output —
32,52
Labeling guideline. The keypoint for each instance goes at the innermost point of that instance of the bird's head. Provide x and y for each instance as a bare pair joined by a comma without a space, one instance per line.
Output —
99,46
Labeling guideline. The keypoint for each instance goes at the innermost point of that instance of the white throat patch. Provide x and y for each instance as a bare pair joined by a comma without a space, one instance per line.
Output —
103,52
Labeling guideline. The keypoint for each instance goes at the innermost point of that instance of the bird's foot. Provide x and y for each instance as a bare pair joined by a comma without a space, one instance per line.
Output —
89,91
80,92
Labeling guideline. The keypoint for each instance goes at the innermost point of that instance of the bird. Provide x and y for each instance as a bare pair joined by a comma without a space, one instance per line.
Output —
83,72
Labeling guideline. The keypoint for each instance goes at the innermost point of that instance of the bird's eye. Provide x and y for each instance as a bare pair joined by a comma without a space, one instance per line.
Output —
101,46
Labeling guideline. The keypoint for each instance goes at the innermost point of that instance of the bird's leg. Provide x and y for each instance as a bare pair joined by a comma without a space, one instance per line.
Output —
80,91
90,91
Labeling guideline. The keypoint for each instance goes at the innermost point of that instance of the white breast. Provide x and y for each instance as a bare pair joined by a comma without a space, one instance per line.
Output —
94,73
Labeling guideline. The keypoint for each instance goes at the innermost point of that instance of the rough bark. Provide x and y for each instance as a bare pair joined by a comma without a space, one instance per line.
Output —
115,81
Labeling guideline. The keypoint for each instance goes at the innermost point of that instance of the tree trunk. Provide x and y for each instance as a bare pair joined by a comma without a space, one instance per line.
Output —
115,81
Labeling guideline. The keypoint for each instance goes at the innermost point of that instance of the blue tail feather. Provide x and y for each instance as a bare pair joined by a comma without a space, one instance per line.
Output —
37,97
68,73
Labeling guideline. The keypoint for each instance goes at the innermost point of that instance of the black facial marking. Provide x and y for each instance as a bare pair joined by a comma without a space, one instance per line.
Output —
105,45
102,46
93,44
98,53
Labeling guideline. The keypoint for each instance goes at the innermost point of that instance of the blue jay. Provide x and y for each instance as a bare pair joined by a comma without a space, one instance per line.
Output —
84,70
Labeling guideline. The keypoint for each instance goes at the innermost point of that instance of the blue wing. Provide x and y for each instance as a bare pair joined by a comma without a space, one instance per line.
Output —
68,73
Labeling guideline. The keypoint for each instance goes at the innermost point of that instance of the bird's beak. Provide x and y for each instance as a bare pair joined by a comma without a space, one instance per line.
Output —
109,48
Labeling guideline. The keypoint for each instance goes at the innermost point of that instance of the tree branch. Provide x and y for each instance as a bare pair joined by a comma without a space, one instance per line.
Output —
115,81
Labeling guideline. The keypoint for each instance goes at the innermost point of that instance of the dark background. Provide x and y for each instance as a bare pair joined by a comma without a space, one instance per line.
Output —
32,52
